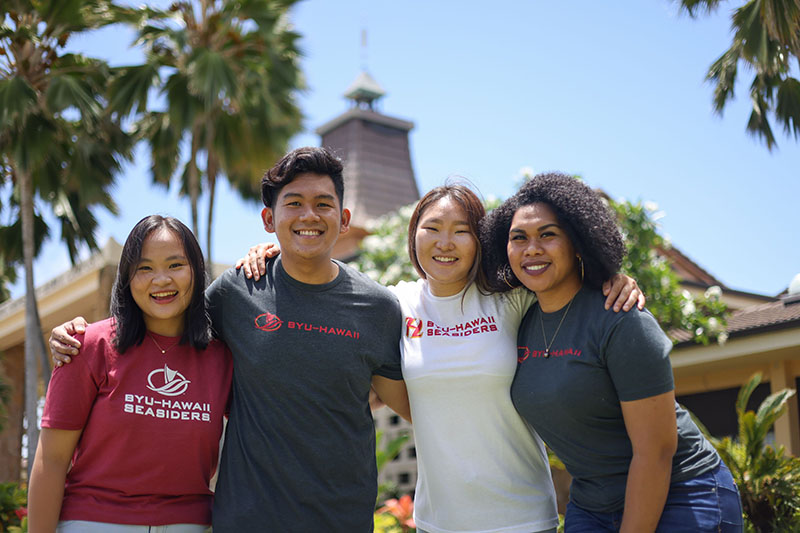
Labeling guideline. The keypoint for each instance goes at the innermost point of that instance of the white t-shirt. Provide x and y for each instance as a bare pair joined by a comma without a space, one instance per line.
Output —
480,468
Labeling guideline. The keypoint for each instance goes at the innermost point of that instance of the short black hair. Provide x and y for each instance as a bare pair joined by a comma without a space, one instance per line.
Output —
309,159
129,324
584,215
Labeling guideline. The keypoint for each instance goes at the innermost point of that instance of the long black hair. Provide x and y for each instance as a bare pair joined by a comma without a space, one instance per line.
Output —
129,322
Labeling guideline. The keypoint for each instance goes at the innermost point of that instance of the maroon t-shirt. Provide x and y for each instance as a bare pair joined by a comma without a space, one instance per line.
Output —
151,425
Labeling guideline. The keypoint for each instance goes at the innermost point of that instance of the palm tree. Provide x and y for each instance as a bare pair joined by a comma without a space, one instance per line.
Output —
57,145
766,37
231,73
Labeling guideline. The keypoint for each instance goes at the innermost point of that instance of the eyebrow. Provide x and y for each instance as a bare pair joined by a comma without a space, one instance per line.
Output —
540,228
317,197
440,221
170,258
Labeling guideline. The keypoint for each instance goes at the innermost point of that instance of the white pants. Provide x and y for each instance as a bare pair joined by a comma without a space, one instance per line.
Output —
82,526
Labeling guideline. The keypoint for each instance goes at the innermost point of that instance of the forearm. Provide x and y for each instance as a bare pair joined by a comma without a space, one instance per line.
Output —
45,494
394,394
646,491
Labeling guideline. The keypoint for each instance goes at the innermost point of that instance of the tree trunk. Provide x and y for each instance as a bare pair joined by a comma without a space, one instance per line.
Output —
211,177
194,182
33,329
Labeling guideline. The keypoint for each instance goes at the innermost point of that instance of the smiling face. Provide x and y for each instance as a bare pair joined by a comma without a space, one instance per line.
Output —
307,219
542,256
162,283
445,246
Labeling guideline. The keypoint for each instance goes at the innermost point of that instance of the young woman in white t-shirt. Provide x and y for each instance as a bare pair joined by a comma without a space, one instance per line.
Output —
480,467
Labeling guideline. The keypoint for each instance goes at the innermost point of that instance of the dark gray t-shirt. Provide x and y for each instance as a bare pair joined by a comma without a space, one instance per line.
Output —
572,398
299,450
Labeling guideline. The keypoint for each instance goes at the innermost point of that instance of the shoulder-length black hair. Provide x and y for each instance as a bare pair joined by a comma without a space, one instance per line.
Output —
586,219
129,322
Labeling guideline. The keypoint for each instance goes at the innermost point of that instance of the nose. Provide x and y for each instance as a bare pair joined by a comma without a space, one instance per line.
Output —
162,277
308,214
445,241
533,248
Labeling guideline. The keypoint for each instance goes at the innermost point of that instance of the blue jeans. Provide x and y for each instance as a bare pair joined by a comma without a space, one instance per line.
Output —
706,503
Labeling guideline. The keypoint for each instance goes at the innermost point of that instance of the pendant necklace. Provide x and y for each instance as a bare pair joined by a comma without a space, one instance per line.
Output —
547,345
163,351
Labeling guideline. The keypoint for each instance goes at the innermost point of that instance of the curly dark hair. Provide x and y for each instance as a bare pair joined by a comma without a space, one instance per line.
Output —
586,219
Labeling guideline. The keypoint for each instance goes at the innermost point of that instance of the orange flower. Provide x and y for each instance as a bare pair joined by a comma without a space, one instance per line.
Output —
402,509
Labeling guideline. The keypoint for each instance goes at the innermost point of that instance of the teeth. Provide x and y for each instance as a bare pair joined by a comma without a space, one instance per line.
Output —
308,232
444,259
165,294
535,267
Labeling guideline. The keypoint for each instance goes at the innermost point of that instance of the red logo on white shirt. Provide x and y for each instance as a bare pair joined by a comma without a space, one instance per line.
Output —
413,327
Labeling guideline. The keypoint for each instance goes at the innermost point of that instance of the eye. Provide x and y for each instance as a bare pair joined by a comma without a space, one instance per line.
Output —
548,234
429,228
177,265
517,237
143,268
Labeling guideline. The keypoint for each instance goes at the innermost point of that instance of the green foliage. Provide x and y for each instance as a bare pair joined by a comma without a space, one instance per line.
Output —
384,454
767,477
703,317
13,513
384,252
229,72
766,40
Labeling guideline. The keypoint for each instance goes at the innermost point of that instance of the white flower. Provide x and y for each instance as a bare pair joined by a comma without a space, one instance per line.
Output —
525,173
651,206
714,292
722,338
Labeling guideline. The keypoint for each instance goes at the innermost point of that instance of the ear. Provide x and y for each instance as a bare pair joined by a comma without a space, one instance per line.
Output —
267,218
345,225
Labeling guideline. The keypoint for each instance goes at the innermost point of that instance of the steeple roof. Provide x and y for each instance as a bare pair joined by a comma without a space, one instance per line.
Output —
364,90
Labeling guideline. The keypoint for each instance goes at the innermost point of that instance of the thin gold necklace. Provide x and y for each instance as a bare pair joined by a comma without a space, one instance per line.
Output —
544,336
163,351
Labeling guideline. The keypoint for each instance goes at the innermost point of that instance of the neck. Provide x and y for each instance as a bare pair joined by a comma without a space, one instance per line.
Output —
311,272
442,290
167,328
550,302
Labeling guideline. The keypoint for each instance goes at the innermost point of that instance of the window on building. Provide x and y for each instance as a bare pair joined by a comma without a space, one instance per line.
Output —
412,452
394,420
404,477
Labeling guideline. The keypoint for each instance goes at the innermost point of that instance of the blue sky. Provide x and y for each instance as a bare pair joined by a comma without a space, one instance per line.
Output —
613,91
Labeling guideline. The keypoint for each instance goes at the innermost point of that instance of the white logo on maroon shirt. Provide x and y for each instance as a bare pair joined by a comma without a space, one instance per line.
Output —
174,383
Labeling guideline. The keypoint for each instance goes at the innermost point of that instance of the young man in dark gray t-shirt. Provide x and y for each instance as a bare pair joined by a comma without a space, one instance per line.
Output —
308,341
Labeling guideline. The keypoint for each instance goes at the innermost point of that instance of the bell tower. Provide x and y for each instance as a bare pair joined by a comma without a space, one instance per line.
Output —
379,177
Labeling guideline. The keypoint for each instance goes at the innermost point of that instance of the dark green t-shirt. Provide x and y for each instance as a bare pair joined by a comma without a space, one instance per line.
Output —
572,398
299,450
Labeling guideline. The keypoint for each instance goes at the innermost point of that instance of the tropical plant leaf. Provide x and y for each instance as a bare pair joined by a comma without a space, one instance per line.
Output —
788,106
17,99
